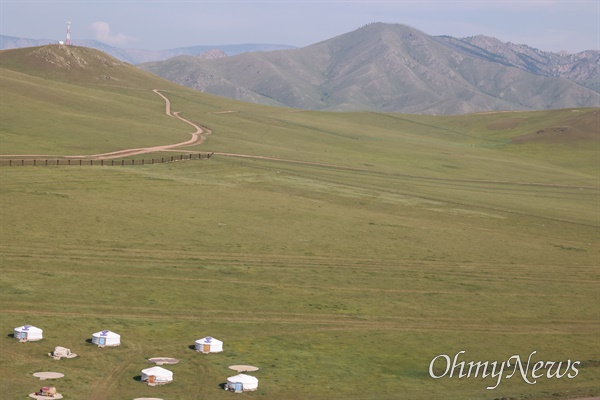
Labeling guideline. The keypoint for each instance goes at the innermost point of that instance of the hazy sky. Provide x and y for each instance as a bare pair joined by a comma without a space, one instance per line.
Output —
572,25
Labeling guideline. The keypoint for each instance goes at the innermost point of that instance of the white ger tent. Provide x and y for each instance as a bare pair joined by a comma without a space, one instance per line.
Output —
106,338
28,332
209,345
242,383
157,375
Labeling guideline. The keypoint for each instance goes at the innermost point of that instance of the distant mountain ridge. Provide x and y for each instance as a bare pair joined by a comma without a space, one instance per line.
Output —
379,67
582,68
396,68
137,56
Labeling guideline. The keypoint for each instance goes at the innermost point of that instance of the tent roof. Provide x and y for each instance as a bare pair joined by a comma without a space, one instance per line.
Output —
242,378
106,333
157,371
208,340
28,328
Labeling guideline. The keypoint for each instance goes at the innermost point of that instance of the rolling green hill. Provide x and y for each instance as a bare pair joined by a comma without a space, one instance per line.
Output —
338,252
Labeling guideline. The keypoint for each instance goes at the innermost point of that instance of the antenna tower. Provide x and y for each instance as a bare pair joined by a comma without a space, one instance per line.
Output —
68,41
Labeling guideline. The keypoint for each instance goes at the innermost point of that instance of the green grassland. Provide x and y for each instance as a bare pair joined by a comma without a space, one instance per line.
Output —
393,239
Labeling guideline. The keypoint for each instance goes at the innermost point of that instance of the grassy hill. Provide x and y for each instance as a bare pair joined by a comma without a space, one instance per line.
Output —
391,239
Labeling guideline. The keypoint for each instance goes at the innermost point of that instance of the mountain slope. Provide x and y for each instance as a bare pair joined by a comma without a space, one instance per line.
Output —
379,67
582,68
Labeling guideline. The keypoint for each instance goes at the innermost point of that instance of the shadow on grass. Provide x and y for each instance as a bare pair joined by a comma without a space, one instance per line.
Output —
88,341
11,335
192,347
137,378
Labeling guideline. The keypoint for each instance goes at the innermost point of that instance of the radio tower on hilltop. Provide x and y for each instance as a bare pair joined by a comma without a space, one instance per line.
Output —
68,41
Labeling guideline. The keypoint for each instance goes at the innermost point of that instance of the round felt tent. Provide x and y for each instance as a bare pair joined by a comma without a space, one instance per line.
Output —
242,383
209,345
106,338
28,333
156,375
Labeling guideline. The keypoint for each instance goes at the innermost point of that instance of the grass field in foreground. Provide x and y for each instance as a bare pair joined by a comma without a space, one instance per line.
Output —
336,284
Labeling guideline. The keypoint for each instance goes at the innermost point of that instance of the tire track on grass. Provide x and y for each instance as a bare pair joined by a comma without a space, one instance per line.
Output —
408,176
351,322
264,260
102,389
482,277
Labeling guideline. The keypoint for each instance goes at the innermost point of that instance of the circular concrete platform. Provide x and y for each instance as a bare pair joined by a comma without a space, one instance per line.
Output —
163,360
243,368
36,396
48,375
147,398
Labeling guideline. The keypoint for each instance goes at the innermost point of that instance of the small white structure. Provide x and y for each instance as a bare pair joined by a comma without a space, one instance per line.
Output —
28,333
106,338
209,345
241,383
156,376
61,352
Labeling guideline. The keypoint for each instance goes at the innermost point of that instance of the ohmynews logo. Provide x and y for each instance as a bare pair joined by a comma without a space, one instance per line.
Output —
529,372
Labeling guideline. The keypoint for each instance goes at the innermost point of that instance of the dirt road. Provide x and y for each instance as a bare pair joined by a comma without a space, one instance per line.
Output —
198,136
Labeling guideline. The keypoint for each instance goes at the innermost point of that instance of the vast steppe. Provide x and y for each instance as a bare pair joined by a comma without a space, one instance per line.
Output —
338,252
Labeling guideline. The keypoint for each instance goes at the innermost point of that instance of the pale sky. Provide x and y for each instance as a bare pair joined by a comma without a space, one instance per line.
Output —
572,25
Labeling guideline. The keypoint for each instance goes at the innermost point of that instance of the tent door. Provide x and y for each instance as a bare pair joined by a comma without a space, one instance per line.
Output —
101,341
239,387
24,335
152,379
206,348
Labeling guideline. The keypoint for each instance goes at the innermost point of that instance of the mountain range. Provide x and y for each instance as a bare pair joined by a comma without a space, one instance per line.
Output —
395,68
382,67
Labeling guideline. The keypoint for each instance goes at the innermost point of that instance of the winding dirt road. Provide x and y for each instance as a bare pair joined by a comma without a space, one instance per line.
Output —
198,137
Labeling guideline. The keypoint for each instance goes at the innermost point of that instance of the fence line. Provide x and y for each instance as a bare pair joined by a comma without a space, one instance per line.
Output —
21,162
